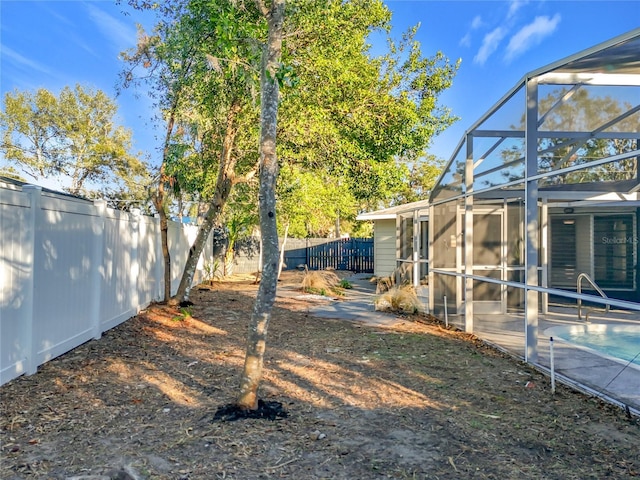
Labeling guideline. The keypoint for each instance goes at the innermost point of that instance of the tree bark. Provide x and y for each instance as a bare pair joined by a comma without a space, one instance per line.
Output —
158,202
259,322
225,181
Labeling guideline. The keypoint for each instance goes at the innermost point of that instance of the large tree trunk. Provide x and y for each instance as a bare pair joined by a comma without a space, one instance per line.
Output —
224,183
158,202
258,325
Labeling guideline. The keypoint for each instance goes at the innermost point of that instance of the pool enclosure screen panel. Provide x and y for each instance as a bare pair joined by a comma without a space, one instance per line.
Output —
565,113
424,252
447,251
406,237
404,265
446,236
412,253
487,260
487,239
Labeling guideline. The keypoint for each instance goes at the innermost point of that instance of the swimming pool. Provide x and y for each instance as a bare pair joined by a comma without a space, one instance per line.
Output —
619,342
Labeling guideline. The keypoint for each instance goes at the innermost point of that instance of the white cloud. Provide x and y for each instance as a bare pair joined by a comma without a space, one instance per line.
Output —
514,6
476,23
490,44
21,60
121,35
531,35
466,40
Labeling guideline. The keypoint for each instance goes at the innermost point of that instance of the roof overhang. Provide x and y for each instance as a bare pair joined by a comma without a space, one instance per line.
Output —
392,212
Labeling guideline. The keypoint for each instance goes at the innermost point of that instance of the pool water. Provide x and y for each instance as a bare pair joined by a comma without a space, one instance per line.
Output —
617,341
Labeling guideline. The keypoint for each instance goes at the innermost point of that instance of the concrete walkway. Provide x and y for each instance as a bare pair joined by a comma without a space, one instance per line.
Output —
358,305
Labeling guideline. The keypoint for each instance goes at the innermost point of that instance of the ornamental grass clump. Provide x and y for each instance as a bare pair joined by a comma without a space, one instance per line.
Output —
319,281
401,299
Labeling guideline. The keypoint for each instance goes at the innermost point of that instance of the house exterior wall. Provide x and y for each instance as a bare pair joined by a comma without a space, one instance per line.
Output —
384,247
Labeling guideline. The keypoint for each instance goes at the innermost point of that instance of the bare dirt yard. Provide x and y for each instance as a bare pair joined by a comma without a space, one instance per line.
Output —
414,401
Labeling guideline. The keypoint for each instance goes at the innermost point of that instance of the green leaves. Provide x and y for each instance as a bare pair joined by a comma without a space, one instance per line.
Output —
71,136
285,75
349,122
353,117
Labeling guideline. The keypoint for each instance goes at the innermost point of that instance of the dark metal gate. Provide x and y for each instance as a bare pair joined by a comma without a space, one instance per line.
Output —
351,254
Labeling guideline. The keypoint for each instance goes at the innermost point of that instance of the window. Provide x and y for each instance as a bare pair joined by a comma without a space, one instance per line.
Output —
614,250
564,271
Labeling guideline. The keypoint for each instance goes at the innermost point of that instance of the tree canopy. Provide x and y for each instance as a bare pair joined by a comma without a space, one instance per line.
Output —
348,119
72,136
357,117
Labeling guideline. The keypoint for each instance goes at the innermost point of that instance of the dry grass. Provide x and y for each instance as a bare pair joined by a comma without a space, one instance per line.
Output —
398,299
383,284
319,281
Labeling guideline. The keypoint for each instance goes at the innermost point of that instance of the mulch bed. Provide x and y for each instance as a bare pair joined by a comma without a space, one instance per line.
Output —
153,399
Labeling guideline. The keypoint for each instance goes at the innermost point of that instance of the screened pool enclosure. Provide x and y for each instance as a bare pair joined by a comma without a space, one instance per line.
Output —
538,207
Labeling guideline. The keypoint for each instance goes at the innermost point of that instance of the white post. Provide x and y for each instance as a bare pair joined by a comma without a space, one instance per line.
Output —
544,238
446,312
552,366
31,252
415,254
432,290
97,267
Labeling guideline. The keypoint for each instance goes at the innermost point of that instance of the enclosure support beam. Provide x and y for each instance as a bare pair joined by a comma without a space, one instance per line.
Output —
415,254
468,238
531,222
431,277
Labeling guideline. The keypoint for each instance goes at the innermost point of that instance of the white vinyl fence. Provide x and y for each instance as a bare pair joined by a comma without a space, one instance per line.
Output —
71,269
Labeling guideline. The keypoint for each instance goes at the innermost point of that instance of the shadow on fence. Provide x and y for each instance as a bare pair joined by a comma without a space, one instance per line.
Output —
71,269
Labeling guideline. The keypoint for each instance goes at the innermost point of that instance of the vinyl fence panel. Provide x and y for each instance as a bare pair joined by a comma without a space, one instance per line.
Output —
71,269
63,267
150,261
118,269
16,264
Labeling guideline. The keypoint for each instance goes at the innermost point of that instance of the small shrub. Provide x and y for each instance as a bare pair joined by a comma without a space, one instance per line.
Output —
324,282
185,313
398,299
212,271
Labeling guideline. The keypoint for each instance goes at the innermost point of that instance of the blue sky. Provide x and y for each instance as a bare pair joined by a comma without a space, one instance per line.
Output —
53,43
